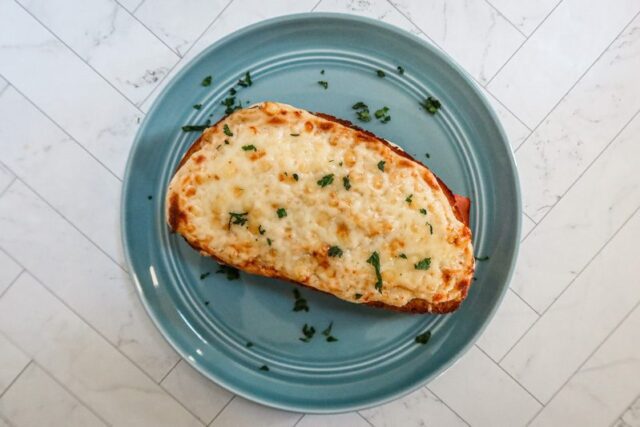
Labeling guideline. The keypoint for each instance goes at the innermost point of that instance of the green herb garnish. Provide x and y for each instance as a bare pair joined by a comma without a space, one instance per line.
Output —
428,155
261,230
149,197
357,296
249,344
295,176
431,104
195,128
381,165
400,69
282,212
249,147
383,114
423,338
359,105
246,81
226,142
204,275
269,241
197,107
409,198
238,218
331,338
232,273
264,368
380,73
334,251
424,264
324,84
301,303
374,260
294,134
483,258
206,81
363,115
321,71
403,256
226,130
232,91
346,183
423,211
430,228
308,332
327,333
325,180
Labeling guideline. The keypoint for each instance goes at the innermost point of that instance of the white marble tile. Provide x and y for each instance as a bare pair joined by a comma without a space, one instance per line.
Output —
526,15
66,88
109,39
580,318
472,32
6,176
201,396
36,399
580,224
242,412
130,5
83,190
473,386
604,386
631,417
9,270
4,423
179,22
584,122
87,365
351,419
557,54
420,408
85,278
516,131
238,15
12,362
527,226
3,84
511,321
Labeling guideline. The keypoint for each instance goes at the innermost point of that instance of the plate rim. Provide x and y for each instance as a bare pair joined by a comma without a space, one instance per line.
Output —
457,355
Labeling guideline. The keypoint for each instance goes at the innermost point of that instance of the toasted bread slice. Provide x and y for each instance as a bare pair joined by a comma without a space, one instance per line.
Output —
281,192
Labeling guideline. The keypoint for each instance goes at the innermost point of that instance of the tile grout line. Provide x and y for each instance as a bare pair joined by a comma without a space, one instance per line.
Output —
316,5
169,372
624,411
527,215
222,409
520,47
3,90
101,335
16,377
186,52
362,416
589,356
430,390
444,52
135,9
299,419
64,131
588,167
70,222
523,300
47,29
14,179
15,279
571,282
64,387
579,79
499,12
511,376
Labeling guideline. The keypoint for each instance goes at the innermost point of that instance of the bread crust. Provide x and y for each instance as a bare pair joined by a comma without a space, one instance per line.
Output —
459,204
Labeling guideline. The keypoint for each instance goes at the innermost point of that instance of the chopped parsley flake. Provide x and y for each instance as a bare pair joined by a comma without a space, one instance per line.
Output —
381,165
380,73
331,338
324,84
269,241
327,333
431,104
197,107
374,260
400,69
196,128
246,81
482,258
150,197
204,275
428,155
295,176
232,273
403,256
261,230
229,103
325,180
362,111
249,344
308,332
409,198
423,264
430,228
226,142
232,91
282,212
249,147
207,81
359,105
264,368
334,251
357,296
226,130
423,211
238,218
206,303
346,183
321,71
423,338
301,303
294,134
383,115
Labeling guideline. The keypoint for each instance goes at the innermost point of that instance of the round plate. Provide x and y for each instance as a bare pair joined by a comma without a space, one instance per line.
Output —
210,320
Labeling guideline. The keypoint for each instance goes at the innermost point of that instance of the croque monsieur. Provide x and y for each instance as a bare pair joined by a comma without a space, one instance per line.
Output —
281,192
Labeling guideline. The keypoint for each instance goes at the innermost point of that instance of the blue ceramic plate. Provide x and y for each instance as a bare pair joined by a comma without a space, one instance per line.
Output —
210,320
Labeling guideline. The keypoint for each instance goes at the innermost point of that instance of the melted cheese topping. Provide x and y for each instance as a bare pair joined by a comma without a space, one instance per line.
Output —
380,212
